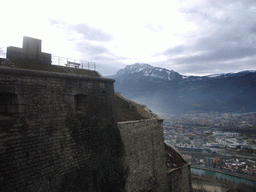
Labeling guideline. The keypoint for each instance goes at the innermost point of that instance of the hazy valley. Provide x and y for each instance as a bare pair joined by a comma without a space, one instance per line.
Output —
207,118
165,91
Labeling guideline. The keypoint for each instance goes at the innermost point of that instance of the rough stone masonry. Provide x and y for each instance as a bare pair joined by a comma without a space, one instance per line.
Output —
60,131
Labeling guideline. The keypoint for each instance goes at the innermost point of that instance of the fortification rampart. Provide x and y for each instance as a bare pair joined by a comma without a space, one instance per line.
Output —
64,129
59,133
44,117
145,155
178,170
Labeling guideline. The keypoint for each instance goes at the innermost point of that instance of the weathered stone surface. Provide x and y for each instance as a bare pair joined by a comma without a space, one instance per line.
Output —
178,170
6,63
145,155
49,144
39,148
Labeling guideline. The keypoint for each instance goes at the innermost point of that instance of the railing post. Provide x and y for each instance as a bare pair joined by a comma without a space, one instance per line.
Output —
63,61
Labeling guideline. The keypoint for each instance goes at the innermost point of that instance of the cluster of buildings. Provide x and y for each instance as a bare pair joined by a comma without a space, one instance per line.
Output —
242,166
231,121
196,140
204,138
217,147
228,140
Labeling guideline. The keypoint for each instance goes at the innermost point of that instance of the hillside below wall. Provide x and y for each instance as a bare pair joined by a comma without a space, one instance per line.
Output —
180,179
144,155
128,110
178,170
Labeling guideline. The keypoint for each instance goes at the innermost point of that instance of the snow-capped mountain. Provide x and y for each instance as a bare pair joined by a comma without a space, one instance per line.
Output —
147,70
167,91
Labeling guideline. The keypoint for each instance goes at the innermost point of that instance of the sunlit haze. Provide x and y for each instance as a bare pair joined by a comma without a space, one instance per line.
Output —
191,37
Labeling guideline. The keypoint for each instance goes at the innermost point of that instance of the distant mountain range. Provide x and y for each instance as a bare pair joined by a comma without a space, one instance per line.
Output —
166,91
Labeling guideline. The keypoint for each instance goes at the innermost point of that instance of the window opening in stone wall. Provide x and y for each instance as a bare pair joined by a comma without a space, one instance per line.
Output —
9,104
81,102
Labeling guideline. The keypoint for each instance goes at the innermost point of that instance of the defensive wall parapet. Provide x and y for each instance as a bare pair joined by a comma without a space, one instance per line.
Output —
145,155
178,170
33,73
58,131
42,122
64,129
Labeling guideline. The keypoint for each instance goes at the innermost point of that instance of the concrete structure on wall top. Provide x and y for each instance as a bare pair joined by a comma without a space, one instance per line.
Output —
31,50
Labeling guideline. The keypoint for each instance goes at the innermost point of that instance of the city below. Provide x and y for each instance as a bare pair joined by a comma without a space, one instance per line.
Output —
215,141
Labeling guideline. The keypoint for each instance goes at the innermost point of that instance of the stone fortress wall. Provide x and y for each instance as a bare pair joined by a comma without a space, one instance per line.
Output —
37,147
71,132
143,141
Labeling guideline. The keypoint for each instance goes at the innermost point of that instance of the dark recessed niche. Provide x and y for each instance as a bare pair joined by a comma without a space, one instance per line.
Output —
9,105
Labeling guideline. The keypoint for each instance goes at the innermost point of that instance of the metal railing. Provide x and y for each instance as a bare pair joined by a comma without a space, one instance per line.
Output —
62,61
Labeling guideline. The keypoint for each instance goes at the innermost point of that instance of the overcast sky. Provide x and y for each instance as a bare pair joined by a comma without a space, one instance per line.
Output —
197,37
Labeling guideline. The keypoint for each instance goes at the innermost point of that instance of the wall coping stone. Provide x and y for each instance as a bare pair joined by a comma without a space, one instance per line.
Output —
174,149
178,168
138,121
151,114
34,73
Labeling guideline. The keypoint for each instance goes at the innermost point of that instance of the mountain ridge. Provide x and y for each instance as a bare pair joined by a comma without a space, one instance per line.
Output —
167,91
137,67
148,70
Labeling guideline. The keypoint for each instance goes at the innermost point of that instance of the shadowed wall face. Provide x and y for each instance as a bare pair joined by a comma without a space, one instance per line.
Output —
66,138
8,104
59,130
52,139
104,169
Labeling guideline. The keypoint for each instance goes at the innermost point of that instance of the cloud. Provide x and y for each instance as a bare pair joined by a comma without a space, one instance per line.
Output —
109,67
195,37
91,49
90,33
154,27
107,62
175,50
55,22
225,38
2,52
253,28
93,52
92,44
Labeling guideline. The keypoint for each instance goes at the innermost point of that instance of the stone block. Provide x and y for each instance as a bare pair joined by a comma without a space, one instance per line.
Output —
22,108
12,109
3,109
